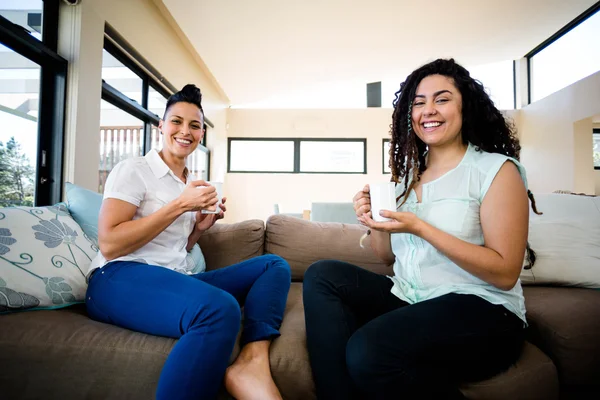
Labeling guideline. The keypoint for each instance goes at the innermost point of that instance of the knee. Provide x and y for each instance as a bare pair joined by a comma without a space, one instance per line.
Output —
361,359
320,272
274,261
225,311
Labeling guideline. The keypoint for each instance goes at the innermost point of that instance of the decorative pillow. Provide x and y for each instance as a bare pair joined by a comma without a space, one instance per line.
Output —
84,206
44,256
566,239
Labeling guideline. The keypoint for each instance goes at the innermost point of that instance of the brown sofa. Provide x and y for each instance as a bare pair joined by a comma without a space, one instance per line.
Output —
64,355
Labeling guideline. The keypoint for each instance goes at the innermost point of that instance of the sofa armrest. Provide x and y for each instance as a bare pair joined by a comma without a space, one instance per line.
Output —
227,244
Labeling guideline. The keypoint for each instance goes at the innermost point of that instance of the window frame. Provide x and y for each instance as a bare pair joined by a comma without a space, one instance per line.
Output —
595,131
560,33
296,142
52,98
383,154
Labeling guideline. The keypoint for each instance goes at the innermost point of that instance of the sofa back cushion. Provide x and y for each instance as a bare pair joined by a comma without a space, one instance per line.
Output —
566,239
227,244
303,242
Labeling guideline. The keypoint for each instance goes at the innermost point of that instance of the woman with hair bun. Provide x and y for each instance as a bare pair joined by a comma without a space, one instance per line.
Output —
150,218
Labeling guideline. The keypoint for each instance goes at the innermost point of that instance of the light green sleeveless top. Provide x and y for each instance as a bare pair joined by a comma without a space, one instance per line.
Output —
450,203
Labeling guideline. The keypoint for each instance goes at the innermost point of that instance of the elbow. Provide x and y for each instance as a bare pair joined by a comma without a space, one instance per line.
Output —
108,252
507,282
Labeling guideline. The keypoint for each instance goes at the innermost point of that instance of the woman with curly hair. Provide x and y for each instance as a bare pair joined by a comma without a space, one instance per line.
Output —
453,311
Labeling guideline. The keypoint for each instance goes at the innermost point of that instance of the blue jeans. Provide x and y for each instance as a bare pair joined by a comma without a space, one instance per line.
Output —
202,310
365,343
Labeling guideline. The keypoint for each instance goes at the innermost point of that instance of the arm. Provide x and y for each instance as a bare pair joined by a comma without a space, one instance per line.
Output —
203,223
504,218
119,234
380,240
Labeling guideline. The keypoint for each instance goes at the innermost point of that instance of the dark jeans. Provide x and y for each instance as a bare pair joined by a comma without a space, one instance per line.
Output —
365,343
202,310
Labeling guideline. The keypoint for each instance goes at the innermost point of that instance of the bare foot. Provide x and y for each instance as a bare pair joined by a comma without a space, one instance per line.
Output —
250,379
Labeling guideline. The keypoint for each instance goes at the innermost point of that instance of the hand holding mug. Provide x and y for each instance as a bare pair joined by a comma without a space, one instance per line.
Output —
199,195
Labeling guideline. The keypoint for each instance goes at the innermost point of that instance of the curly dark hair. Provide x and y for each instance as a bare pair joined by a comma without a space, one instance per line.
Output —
483,125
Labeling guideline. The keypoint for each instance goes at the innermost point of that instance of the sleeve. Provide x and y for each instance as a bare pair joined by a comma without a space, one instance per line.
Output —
124,183
492,171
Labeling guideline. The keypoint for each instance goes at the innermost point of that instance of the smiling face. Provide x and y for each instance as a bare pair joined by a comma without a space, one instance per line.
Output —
182,129
437,111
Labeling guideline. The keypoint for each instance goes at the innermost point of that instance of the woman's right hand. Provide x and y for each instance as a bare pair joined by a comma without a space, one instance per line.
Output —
362,202
199,195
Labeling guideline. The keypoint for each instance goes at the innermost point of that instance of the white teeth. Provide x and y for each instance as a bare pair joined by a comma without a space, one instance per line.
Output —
184,141
431,124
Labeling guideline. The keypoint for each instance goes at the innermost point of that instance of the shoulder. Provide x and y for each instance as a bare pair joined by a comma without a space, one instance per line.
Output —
485,167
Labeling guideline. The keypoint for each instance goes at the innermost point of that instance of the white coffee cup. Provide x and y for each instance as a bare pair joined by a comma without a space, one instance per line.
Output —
219,187
383,197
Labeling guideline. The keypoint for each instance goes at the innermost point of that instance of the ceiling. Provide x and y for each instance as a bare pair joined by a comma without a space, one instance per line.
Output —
260,49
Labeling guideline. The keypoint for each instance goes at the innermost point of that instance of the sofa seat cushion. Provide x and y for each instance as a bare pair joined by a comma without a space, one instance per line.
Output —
565,324
64,354
532,377
303,242
289,356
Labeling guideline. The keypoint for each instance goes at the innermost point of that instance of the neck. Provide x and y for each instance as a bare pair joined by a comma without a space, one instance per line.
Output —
446,156
175,164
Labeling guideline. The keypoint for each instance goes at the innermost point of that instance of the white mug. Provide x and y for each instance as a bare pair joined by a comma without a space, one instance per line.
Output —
383,197
219,187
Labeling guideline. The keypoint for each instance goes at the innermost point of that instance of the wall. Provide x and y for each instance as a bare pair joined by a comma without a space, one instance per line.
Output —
148,30
253,195
556,141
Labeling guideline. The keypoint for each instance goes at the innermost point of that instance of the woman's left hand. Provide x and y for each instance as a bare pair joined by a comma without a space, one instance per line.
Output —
401,222
205,221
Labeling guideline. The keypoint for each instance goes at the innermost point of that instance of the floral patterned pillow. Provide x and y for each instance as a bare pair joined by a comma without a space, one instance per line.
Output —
44,256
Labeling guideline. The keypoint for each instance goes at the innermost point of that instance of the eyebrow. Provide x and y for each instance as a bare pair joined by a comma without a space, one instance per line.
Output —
194,120
436,94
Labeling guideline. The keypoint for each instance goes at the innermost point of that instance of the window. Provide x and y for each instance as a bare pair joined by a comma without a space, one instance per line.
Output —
32,100
294,155
134,96
596,148
386,156
262,155
25,13
498,80
570,55
332,156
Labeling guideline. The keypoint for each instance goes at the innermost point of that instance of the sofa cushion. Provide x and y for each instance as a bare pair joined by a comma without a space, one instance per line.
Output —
44,256
565,324
566,238
64,354
532,377
227,244
289,357
84,206
303,242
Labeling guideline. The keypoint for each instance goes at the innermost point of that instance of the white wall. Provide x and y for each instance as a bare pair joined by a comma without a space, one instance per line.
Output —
556,138
148,30
253,195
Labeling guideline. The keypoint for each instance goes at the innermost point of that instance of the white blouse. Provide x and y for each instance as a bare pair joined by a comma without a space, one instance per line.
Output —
149,184
450,203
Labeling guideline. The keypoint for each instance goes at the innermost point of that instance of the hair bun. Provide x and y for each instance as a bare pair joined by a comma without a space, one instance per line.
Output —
192,92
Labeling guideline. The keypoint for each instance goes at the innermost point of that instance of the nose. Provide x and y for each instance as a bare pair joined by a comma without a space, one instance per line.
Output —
185,129
429,108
